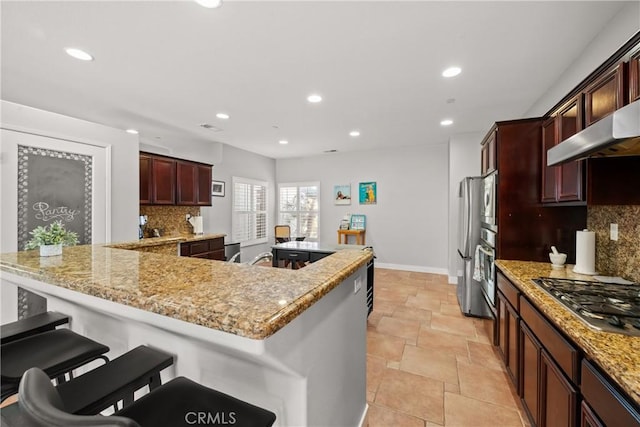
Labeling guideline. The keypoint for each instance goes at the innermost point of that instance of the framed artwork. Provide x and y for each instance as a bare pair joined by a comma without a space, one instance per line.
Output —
342,194
217,188
358,222
368,193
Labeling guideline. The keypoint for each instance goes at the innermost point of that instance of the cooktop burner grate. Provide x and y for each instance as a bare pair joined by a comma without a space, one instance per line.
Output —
610,307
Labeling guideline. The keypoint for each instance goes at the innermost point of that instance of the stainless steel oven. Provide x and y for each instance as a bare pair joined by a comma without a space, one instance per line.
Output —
488,206
486,259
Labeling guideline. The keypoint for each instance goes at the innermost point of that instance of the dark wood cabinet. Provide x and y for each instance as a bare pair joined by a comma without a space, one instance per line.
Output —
508,327
558,397
163,172
606,94
569,176
488,154
168,181
549,173
530,353
634,75
206,248
587,417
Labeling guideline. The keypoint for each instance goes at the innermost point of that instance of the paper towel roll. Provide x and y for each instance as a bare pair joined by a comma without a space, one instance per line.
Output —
585,252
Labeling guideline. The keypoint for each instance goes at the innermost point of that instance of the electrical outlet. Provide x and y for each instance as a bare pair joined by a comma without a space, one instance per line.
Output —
357,284
613,231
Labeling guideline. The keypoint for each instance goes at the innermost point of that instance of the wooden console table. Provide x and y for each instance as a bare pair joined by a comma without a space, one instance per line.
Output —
346,233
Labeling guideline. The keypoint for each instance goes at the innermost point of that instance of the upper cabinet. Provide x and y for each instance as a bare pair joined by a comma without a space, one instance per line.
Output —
169,181
563,183
634,75
606,94
489,153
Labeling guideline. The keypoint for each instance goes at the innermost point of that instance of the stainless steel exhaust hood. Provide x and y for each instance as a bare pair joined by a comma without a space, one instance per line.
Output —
618,134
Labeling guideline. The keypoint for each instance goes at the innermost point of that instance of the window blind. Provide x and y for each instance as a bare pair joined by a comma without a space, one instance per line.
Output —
249,220
298,207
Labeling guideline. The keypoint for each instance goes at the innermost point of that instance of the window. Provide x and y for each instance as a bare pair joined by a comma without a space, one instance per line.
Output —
298,207
249,220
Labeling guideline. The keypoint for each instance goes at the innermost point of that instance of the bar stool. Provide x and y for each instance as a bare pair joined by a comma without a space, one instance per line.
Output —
31,325
180,402
56,352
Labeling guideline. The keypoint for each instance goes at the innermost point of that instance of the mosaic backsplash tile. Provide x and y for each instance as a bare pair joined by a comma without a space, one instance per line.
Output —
621,257
170,219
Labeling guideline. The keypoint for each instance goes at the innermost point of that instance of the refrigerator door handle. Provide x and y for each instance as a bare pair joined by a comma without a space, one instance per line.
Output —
462,256
486,252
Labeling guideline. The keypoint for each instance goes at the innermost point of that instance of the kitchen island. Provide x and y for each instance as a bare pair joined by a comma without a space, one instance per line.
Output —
293,342
613,356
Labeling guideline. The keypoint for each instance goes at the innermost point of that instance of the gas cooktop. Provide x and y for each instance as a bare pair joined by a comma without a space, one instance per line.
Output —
609,307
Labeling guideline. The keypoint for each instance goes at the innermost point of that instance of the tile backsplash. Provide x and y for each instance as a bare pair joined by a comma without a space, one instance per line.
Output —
171,219
621,257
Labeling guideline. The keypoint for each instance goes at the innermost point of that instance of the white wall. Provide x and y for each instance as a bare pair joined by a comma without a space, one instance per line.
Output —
124,159
614,34
464,160
408,226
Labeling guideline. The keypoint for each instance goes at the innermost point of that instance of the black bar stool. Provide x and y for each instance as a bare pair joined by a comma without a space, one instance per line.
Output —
56,352
31,325
180,402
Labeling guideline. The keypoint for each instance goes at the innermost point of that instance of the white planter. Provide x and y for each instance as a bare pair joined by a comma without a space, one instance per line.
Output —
51,250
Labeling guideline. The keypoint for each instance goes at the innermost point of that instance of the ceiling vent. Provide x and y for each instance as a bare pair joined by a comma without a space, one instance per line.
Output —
210,127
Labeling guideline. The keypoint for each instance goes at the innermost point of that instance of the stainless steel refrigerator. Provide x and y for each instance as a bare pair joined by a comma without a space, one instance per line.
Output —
469,290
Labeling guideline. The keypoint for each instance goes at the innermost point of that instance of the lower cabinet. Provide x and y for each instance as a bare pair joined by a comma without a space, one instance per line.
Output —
208,249
558,397
508,320
530,353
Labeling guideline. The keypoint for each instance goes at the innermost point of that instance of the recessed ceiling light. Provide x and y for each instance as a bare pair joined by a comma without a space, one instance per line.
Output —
222,116
283,142
354,133
132,131
314,98
446,122
210,4
78,54
451,72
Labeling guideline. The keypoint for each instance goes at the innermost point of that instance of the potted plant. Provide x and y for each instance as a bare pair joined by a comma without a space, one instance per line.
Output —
51,238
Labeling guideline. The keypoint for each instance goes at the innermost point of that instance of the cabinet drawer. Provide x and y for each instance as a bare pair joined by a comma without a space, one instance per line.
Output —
609,404
564,353
198,247
508,290
294,255
216,244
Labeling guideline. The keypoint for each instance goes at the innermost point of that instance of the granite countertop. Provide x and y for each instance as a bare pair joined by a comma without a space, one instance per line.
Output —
249,301
315,246
616,354
163,240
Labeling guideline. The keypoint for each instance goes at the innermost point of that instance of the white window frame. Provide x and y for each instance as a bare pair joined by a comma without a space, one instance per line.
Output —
235,214
298,212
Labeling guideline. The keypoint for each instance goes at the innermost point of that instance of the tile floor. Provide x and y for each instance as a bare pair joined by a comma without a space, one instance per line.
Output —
427,364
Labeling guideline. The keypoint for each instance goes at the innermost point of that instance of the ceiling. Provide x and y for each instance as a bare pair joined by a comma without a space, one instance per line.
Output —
165,68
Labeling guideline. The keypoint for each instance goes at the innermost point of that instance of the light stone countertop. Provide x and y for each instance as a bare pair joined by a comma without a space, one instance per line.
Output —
618,355
163,240
249,301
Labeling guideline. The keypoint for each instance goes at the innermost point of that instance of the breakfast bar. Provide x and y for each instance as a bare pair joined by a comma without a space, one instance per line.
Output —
293,342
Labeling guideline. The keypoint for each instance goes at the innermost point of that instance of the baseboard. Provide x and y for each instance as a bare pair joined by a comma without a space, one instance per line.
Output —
416,268
364,420
453,280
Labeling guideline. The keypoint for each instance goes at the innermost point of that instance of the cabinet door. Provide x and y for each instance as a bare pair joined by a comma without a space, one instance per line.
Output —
203,185
634,76
558,398
530,350
503,325
569,122
508,337
549,173
492,153
484,159
587,417
145,180
605,95
163,186
186,183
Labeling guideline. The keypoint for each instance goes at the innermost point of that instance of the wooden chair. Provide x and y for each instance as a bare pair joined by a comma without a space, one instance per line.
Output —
282,233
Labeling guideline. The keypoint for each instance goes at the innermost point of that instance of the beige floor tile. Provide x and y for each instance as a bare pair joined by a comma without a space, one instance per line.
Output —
385,346
453,325
442,342
371,396
392,295
429,363
399,327
483,354
485,384
412,394
425,300
464,411
451,309
452,388
413,313
384,307
375,370
379,416
374,318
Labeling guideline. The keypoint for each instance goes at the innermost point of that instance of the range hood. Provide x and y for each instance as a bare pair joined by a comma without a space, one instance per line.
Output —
618,134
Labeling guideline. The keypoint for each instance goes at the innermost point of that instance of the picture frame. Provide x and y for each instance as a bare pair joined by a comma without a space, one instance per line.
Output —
342,194
368,193
358,222
217,188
